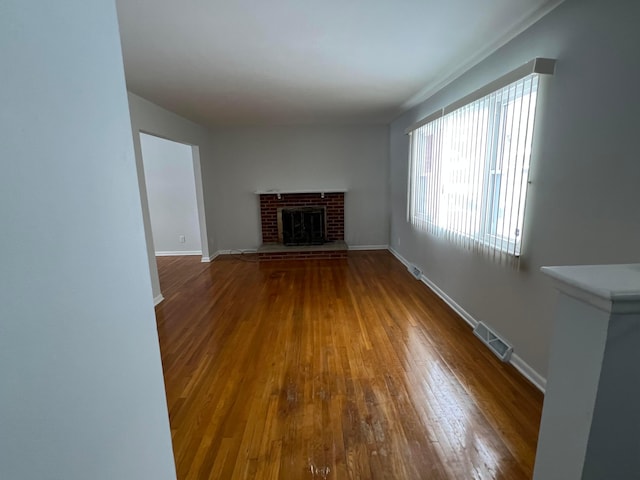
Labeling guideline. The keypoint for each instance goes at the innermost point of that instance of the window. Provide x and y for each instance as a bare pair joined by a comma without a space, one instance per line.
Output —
469,167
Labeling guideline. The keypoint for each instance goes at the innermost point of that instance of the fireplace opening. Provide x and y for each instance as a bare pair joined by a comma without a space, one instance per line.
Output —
303,226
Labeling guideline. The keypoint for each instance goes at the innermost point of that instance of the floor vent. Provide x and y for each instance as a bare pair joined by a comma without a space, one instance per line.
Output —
415,271
495,343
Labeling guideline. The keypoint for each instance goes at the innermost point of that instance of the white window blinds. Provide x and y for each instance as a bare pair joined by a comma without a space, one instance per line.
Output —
469,170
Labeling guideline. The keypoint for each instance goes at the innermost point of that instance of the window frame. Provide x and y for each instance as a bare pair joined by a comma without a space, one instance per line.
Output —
489,235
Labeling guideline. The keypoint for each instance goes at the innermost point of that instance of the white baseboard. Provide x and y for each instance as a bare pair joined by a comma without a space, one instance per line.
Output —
210,258
466,316
399,257
178,253
368,247
529,373
157,300
518,363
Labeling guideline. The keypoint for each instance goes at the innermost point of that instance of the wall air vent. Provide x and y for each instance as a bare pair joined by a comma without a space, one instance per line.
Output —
495,343
415,271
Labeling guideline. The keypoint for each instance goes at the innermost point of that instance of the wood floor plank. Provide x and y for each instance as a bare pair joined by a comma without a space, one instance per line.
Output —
332,369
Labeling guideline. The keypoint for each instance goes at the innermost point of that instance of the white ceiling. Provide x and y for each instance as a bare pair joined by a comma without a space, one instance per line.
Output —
258,62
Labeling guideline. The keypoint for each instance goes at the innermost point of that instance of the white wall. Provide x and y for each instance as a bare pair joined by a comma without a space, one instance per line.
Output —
235,162
584,196
149,118
351,157
171,192
81,387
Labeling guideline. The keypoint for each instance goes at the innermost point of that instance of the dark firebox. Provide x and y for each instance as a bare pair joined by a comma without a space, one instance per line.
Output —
303,226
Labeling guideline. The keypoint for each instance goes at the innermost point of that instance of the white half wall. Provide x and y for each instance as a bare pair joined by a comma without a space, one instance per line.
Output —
171,192
81,387
146,117
583,200
354,158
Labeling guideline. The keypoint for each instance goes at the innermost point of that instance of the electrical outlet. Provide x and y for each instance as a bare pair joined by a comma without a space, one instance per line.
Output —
181,238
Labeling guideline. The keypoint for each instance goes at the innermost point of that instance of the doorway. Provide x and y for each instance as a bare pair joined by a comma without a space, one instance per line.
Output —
171,171
171,194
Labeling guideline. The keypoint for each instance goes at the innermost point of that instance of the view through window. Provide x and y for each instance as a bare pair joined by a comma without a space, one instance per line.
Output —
469,170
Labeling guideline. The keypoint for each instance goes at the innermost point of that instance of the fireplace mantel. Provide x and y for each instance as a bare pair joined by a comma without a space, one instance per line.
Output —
285,192
319,191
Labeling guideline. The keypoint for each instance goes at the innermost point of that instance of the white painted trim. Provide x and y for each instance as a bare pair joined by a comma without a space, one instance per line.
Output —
368,247
202,218
210,258
529,373
293,192
450,75
466,316
157,300
518,363
178,253
400,258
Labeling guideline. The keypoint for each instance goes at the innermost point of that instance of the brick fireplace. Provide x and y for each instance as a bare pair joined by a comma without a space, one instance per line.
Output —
271,207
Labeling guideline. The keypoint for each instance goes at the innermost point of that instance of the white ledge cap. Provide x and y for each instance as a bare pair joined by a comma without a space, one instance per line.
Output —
613,288
286,192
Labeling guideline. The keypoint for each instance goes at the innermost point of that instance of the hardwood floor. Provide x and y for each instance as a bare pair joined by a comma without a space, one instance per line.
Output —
333,369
